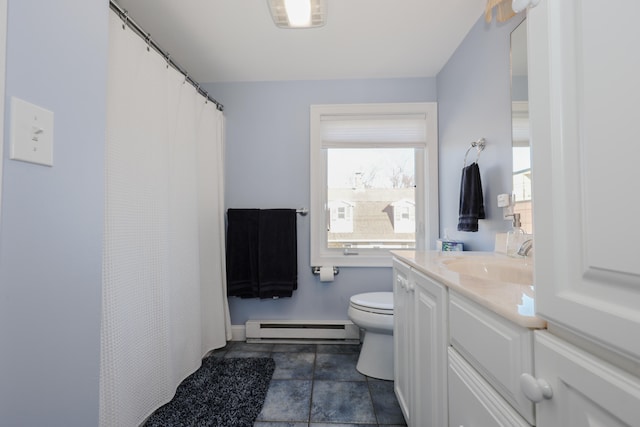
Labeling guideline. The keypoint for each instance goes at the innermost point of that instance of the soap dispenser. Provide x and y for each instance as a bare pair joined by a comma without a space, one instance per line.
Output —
515,237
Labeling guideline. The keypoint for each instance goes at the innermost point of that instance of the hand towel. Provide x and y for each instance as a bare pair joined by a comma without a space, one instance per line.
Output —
471,207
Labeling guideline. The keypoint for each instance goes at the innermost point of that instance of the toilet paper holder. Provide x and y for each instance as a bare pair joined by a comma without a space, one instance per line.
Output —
316,270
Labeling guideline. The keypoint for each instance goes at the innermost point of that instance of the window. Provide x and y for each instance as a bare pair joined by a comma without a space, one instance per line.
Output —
522,164
373,181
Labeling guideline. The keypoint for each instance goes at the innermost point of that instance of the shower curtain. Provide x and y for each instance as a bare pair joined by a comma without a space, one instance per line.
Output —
164,286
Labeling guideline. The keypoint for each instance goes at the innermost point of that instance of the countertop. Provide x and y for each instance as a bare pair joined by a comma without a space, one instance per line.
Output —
512,301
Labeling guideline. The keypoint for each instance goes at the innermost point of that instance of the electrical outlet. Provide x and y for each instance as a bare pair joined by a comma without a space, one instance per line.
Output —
504,200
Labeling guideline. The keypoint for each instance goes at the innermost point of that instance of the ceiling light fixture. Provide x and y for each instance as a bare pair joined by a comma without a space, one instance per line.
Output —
298,13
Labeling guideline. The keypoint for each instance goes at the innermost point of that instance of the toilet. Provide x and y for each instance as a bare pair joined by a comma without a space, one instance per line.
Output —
373,312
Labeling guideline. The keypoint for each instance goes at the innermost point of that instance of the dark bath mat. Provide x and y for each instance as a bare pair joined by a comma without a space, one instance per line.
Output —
221,393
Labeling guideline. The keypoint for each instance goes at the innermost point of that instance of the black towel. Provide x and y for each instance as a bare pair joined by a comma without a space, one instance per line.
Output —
262,259
471,201
242,252
277,253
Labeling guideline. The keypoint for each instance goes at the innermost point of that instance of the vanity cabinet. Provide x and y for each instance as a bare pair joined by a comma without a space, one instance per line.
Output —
583,92
473,402
583,95
402,343
586,390
420,347
498,350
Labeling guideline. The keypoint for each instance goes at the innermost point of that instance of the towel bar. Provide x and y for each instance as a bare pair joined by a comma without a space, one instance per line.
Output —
302,211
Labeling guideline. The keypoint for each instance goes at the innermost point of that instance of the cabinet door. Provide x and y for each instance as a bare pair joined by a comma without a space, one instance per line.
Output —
430,336
587,392
500,350
402,343
473,402
584,87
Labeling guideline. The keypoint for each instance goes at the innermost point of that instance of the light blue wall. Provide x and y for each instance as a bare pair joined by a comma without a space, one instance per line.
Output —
267,166
474,101
52,218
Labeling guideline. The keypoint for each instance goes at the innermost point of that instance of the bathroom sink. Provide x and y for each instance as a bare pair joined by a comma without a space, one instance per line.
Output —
511,270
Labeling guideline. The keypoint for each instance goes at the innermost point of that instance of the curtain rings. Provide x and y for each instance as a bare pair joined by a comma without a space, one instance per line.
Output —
125,20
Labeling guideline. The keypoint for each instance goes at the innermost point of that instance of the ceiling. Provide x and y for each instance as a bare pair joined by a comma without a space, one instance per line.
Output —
236,40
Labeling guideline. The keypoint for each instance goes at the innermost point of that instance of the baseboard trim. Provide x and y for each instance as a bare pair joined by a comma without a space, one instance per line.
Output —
238,333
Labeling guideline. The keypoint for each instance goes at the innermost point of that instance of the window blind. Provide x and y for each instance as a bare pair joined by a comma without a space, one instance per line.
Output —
348,131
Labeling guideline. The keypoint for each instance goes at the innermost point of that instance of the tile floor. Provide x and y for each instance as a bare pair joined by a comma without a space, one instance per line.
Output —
317,385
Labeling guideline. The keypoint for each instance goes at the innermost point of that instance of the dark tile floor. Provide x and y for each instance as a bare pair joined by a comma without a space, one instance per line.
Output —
317,385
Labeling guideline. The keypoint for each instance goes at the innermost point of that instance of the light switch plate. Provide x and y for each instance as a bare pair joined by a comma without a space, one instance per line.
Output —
31,133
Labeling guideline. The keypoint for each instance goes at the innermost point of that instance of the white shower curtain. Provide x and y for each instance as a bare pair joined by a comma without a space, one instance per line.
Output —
164,286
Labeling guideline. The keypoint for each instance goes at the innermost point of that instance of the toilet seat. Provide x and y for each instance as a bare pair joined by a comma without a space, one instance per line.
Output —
373,302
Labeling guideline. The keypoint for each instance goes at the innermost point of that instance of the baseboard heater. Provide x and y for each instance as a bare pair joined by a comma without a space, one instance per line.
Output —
295,331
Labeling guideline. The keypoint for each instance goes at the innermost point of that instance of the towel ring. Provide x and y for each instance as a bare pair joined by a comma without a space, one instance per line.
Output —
479,146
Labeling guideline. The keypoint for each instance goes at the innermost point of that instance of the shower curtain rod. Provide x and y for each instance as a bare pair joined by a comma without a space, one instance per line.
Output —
124,15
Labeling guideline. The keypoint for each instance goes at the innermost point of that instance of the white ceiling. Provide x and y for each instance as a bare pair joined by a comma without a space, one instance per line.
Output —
236,40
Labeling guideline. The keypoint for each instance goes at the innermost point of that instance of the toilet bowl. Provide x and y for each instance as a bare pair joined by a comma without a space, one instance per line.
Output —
373,312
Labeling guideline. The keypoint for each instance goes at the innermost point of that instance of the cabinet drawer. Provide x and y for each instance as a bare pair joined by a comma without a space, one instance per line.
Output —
587,391
473,402
499,349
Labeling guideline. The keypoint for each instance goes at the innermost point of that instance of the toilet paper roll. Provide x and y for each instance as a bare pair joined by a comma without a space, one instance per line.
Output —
326,274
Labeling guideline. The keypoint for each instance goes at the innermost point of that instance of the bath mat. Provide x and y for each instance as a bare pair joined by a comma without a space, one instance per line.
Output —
221,393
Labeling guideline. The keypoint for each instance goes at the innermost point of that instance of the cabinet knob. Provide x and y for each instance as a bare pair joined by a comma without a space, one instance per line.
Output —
535,389
410,287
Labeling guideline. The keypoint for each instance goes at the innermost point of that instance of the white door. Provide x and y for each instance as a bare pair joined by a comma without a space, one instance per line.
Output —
584,87
402,343
430,335
586,392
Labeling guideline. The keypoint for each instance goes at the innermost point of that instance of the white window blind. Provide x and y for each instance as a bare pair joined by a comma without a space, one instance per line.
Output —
405,130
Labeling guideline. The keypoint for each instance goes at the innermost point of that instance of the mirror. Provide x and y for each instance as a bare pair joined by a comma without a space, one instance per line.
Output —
520,127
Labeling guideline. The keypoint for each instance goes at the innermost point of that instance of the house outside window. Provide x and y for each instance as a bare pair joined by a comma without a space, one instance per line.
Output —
341,214
404,216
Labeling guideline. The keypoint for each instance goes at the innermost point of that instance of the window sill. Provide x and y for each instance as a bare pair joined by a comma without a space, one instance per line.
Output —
353,260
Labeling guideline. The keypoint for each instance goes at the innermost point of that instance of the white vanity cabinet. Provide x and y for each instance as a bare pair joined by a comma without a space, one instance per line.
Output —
402,342
583,94
498,351
586,390
420,346
473,402
583,102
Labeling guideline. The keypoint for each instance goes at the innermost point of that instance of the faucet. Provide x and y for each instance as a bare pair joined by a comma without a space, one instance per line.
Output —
526,247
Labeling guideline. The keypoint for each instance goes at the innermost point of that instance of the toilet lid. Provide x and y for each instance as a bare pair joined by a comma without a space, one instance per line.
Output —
379,300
